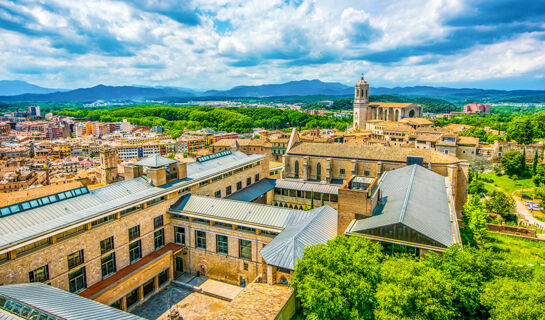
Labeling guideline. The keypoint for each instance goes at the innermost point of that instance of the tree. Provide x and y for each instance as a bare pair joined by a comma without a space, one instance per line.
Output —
311,199
476,187
338,280
521,130
171,155
539,175
540,193
524,169
185,154
476,219
500,203
513,299
512,162
322,200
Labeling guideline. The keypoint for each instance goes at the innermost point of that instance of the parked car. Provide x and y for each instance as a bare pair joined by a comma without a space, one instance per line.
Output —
527,197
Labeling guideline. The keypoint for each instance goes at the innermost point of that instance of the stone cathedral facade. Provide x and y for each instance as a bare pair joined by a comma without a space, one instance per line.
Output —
365,111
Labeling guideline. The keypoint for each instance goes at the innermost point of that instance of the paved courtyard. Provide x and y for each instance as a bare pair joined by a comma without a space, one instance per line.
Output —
197,306
220,288
159,304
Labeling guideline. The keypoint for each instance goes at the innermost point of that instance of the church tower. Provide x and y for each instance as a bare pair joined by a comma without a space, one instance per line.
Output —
361,104
108,166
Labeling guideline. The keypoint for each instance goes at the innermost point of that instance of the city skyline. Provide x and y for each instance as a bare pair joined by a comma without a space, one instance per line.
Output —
207,44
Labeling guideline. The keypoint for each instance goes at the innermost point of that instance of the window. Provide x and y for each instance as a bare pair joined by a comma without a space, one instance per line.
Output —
159,238
134,232
296,171
217,194
179,235
245,266
135,251
228,190
245,249
39,275
200,239
103,220
106,245
77,280
221,244
256,177
239,185
75,259
342,171
158,222
108,265
248,181
366,173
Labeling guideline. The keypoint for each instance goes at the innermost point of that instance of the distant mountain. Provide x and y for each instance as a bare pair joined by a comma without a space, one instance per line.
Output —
463,93
292,88
16,87
100,92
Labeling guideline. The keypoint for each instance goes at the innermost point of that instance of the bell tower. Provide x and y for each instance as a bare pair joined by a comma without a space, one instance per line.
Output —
108,166
361,104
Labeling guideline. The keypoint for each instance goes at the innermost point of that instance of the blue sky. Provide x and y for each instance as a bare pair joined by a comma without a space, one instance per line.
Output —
218,44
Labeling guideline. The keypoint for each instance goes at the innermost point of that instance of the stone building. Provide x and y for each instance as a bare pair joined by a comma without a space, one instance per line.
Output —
335,163
365,111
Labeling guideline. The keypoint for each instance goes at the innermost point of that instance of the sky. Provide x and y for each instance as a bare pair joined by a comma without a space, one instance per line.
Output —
218,44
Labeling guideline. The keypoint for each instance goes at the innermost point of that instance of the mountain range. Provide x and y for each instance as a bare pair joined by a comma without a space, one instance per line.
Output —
20,91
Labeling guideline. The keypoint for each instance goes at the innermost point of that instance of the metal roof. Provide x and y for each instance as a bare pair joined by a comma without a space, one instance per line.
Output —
253,191
418,198
62,304
31,223
253,213
307,186
4,315
154,161
288,246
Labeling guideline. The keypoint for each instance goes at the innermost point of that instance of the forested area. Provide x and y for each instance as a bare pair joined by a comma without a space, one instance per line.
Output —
241,120
351,278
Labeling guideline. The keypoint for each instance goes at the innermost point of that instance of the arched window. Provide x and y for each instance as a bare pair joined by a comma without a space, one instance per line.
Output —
397,115
296,169
411,114
319,171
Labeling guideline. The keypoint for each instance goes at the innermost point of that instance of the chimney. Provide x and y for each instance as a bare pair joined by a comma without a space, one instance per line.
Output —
132,172
158,176
182,170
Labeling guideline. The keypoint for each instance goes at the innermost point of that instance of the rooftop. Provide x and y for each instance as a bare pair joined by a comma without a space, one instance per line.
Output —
417,198
370,152
61,304
155,161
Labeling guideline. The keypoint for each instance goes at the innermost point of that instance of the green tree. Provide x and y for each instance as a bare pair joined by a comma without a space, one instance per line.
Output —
513,299
311,199
521,130
500,203
523,165
512,162
476,219
338,280
476,187
185,154
539,175
171,155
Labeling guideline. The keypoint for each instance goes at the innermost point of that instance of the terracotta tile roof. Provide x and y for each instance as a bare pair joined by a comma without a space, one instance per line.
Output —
224,143
391,104
418,121
456,127
370,152
100,286
468,141
258,301
427,137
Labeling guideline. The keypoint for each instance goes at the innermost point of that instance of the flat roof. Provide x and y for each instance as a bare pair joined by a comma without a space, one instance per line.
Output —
76,211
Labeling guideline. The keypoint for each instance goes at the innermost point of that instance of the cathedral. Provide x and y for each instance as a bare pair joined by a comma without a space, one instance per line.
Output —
365,111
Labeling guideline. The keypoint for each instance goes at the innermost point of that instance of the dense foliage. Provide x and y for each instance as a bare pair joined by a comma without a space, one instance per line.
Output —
241,120
350,278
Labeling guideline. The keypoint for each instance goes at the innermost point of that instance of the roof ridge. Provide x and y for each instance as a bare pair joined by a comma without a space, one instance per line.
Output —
407,194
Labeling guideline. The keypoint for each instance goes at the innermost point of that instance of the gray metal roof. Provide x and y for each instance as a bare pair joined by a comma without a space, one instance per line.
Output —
253,191
154,161
307,186
252,213
418,198
288,246
31,223
4,315
63,304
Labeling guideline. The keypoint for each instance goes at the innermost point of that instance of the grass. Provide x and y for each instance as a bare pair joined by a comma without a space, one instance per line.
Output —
507,184
521,250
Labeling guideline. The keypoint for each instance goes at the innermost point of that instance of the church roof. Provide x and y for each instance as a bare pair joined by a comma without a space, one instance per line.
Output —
391,104
370,152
